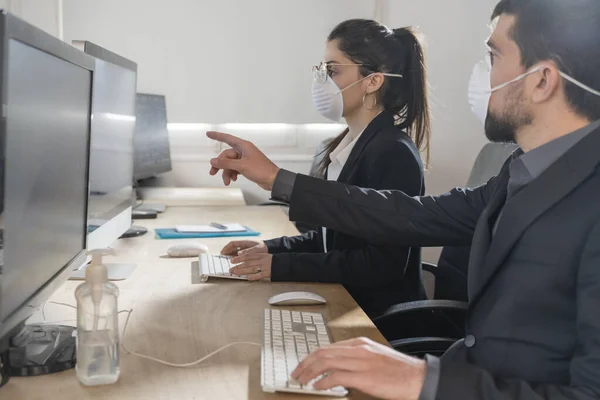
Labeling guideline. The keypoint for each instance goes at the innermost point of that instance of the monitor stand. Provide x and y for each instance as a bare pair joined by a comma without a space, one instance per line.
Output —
134,231
42,349
145,214
4,368
116,272
155,207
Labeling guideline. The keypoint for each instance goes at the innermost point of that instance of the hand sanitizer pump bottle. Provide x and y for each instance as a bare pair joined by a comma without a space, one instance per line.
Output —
97,325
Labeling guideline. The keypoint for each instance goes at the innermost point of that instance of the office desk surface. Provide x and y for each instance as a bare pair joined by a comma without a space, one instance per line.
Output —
180,322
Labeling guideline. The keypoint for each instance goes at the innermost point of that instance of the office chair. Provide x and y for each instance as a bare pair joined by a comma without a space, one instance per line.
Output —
432,326
428,326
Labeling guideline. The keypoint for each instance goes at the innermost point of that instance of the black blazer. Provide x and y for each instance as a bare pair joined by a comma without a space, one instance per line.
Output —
533,322
384,157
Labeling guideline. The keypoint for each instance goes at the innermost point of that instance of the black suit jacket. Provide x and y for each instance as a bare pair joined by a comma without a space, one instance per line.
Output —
534,290
384,157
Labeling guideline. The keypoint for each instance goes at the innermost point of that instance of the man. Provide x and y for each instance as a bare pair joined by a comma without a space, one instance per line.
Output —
534,275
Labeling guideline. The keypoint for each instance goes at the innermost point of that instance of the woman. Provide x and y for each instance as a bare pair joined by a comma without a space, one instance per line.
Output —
375,79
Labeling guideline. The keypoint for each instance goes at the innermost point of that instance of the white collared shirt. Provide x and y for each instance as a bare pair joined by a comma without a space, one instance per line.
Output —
338,157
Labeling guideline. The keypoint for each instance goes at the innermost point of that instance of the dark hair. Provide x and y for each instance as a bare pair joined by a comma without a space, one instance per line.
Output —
397,51
566,32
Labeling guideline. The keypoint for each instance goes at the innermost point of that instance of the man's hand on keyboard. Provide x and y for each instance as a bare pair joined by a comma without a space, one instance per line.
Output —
240,247
364,365
256,266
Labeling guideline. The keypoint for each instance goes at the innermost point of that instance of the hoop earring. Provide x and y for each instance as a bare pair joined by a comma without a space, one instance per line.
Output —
374,102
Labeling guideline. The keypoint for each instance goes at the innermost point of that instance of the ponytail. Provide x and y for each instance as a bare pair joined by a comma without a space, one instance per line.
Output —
412,106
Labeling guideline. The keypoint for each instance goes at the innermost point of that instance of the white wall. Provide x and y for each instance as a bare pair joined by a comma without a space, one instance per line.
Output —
42,13
219,61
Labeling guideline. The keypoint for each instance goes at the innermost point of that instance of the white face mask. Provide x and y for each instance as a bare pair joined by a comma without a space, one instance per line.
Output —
480,89
328,99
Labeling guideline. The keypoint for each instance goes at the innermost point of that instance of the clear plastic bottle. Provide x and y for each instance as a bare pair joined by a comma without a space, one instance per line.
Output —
97,325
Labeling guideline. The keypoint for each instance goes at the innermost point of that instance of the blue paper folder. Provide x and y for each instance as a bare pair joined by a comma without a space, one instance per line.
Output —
170,233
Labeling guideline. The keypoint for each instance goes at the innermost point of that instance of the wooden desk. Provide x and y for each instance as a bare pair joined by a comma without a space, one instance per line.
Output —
177,321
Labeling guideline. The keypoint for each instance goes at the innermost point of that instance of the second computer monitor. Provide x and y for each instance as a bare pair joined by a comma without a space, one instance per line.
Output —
151,139
111,152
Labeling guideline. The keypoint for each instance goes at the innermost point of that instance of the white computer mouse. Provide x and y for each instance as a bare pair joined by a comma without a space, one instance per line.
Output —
296,299
187,250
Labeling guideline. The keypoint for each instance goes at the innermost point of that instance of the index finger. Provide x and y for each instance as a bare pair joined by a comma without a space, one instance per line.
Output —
232,248
225,138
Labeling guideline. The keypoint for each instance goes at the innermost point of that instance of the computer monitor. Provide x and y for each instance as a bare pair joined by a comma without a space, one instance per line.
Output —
151,139
45,89
111,148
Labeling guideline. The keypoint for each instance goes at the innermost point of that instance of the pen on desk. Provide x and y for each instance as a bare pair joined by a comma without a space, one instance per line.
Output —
218,226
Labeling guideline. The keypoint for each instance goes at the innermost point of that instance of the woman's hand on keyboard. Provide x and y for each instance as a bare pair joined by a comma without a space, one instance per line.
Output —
241,247
256,266
363,364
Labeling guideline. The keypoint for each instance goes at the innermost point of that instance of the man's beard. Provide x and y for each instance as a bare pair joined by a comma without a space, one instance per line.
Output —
502,128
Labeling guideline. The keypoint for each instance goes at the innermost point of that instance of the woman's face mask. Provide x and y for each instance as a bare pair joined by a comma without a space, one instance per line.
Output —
327,96
328,99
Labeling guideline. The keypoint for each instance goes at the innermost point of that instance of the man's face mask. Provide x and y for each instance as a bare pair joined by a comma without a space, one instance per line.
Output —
480,92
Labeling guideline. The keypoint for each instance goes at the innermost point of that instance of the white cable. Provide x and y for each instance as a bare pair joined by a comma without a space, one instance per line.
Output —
129,312
171,364
54,302
66,305
60,322
44,312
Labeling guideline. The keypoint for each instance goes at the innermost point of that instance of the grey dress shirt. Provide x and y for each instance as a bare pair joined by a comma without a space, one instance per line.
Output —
524,168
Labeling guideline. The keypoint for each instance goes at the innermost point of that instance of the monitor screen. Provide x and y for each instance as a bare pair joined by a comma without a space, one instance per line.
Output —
111,151
151,139
46,170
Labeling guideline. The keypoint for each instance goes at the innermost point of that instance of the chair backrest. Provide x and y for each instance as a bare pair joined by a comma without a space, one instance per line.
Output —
451,272
488,163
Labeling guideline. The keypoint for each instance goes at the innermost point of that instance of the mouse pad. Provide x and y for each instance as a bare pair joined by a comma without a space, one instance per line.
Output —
171,233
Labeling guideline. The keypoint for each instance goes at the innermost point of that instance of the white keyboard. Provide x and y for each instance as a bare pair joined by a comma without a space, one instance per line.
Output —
214,266
289,336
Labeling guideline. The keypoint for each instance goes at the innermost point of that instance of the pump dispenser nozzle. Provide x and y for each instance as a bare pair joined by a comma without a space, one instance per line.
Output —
96,275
